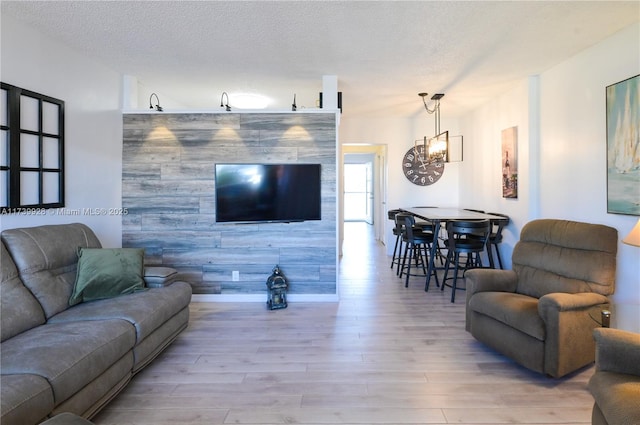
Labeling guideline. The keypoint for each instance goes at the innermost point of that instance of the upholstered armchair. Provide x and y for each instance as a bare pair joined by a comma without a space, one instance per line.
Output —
615,385
542,312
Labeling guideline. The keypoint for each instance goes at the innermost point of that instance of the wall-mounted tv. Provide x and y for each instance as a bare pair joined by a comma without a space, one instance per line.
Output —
267,192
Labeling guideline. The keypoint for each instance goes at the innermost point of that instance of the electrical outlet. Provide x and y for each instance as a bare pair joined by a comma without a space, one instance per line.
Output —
235,275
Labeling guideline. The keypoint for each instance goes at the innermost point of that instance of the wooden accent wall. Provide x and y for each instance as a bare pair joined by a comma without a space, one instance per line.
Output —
168,191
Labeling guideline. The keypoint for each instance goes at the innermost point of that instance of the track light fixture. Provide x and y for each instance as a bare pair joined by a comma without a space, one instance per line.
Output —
225,105
157,107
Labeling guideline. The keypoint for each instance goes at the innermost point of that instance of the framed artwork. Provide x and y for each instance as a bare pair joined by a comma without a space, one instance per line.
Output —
623,147
509,162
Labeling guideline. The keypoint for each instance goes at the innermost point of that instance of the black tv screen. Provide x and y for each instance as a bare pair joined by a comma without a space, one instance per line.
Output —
267,192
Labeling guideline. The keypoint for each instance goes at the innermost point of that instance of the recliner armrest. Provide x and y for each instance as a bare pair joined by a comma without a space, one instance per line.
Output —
552,306
569,322
561,301
487,280
617,351
490,280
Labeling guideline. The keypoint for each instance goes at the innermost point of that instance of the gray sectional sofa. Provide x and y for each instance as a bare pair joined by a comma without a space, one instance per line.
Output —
60,358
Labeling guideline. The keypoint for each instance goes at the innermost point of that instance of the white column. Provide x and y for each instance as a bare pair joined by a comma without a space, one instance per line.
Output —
129,93
329,92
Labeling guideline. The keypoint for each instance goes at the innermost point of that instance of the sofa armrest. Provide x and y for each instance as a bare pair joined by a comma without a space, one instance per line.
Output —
490,280
617,351
156,277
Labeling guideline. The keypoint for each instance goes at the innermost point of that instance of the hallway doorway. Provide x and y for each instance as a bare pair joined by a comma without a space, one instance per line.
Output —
363,188
358,192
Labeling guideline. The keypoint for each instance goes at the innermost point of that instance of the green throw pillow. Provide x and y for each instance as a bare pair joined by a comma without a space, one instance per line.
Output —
107,272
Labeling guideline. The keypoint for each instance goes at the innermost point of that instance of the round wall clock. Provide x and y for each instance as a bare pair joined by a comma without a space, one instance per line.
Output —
420,170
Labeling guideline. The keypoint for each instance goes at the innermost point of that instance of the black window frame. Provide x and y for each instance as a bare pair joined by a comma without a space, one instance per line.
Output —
10,194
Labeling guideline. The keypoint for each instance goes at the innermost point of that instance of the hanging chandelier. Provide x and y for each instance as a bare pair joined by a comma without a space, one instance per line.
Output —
435,148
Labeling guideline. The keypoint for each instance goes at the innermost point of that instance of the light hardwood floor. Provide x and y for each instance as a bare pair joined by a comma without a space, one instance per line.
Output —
384,354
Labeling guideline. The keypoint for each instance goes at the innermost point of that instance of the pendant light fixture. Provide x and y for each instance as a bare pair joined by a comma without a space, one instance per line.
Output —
435,148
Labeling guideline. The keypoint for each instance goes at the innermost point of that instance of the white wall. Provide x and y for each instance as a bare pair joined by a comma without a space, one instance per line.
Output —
573,143
571,148
93,122
481,170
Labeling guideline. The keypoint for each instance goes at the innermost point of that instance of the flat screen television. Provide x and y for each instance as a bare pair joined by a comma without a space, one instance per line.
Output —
267,192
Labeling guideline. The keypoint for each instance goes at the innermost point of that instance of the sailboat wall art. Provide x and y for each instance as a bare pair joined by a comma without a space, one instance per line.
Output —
623,147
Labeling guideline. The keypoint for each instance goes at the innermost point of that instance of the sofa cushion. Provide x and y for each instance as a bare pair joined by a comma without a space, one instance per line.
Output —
565,256
20,310
46,258
106,273
146,311
617,396
25,398
68,355
515,310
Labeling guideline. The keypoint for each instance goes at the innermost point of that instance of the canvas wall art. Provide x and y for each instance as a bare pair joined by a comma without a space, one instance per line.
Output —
623,147
510,162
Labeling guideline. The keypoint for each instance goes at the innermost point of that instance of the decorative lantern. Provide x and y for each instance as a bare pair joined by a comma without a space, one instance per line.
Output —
277,290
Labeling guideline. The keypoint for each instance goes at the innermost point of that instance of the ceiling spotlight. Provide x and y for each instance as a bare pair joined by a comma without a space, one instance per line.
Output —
157,107
225,105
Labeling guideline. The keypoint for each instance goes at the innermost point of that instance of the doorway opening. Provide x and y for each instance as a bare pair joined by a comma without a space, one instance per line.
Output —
363,188
358,192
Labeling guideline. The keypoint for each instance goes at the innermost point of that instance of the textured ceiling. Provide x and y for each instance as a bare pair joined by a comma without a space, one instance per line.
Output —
383,52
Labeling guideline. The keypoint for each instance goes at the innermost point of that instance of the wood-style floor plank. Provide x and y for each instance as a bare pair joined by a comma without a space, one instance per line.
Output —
384,354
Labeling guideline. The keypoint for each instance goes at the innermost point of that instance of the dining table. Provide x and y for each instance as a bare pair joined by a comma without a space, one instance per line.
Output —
438,215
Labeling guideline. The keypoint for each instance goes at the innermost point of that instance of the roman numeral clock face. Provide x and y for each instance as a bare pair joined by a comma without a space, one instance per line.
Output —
420,170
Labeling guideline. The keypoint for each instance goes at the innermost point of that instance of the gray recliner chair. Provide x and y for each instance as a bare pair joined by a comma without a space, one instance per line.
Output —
542,312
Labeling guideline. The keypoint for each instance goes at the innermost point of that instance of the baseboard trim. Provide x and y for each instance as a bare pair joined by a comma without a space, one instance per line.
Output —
251,298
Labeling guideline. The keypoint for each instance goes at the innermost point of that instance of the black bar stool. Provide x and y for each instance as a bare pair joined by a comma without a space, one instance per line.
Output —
401,238
417,245
467,237
397,231
495,237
